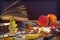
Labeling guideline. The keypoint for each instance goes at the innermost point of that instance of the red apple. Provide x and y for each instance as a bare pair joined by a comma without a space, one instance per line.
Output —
43,20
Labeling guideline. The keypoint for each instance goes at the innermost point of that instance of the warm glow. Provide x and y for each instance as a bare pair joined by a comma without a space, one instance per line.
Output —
5,23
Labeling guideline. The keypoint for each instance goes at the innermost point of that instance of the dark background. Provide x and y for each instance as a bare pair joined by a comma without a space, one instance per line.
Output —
35,8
